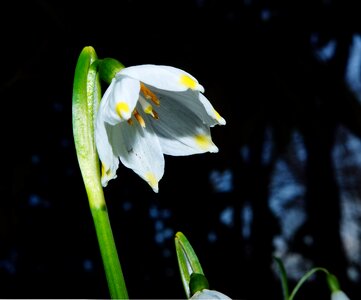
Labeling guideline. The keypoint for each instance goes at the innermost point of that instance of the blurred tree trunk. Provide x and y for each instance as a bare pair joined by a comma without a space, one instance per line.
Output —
322,196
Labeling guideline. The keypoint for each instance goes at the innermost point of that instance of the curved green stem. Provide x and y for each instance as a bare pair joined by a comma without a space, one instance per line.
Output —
304,278
86,98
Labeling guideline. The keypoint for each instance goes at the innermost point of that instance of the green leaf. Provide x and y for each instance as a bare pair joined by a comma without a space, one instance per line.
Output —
283,277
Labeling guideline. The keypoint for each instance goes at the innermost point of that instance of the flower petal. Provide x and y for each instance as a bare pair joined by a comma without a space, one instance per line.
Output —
211,111
163,77
180,130
196,102
109,161
119,100
339,295
138,149
209,294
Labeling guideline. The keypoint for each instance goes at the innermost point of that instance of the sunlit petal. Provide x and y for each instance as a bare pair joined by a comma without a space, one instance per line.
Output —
163,77
138,149
121,100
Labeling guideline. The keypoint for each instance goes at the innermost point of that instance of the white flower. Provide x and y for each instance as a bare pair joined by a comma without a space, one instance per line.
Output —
148,111
339,295
209,294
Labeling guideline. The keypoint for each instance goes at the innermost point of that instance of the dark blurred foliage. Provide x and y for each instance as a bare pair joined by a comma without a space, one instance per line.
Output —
259,68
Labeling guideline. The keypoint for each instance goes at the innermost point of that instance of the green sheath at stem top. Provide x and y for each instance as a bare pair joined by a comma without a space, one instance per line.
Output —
86,98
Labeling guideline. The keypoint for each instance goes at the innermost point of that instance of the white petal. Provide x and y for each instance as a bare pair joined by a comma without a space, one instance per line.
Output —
109,161
123,92
209,294
138,149
105,111
180,131
211,111
163,77
339,295
196,102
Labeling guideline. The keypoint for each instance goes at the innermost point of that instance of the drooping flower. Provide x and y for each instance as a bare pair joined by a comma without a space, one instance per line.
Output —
339,295
148,111
208,294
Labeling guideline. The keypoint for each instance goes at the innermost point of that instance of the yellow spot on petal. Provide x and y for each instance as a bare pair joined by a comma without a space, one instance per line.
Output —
103,170
203,141
188,81
122,108
218,116
151,179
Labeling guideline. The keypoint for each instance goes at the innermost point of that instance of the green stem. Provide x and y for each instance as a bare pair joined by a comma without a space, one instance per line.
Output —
86,98
113,270
304,278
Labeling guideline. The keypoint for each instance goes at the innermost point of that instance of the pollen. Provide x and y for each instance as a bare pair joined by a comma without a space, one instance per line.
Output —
148,94
203,141
188,81
122,109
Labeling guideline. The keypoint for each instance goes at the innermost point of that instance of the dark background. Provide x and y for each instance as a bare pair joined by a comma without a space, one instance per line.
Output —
287,106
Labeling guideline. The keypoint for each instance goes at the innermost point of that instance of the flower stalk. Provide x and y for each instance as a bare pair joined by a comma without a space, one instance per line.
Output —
333,284
85,102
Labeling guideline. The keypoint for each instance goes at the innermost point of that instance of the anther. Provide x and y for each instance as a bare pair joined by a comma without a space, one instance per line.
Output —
148,94
139,118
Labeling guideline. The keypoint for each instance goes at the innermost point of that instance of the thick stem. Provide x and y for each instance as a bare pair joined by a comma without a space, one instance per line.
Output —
86,98
113,270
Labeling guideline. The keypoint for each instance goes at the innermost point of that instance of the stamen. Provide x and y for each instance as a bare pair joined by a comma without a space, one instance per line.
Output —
130,121
155,115
139,118
148,94
148,108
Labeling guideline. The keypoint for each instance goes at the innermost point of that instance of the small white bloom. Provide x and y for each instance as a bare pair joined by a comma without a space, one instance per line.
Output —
339,295
148,111
209,294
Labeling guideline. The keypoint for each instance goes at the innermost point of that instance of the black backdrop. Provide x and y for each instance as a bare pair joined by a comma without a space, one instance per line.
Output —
257,62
